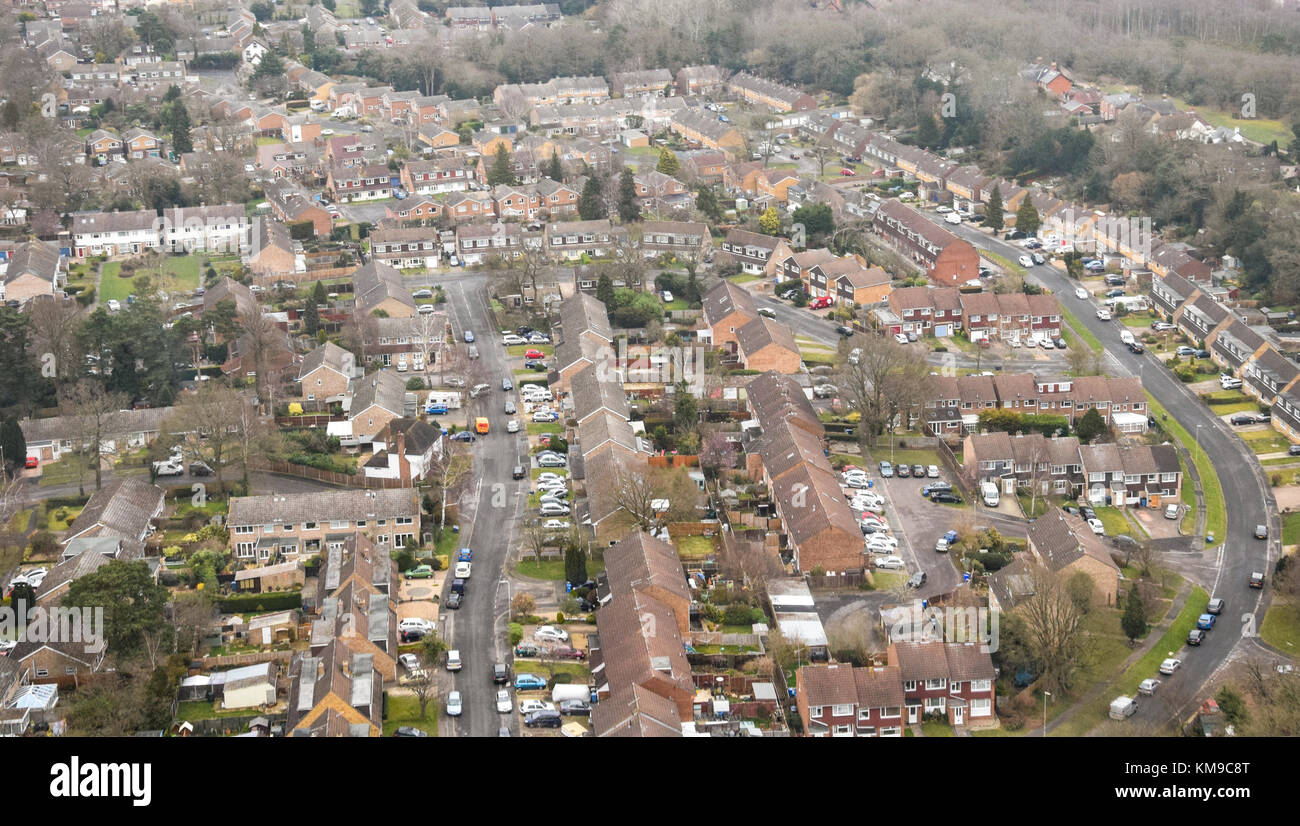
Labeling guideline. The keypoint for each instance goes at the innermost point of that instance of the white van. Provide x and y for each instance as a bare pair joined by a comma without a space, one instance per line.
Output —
1122,708
989,492
1126,337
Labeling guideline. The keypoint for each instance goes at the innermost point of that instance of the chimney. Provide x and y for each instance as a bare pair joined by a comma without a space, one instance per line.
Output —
403,466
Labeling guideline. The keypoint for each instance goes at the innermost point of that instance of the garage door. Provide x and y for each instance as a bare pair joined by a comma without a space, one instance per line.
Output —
943,330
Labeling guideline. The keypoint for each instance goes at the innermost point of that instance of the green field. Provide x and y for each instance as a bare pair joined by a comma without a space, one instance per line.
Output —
179,275
1281,628
405,711
1216,517
1291,528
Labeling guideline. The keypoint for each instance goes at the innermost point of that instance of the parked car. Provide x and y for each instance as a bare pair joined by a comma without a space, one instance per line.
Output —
550,633
1025,261
1170,665
1215,606
886,469
1080,293
454,707
932,472
527,649
420,572
889,563
553,509
567,653
917,580
529,682
512,339
575,708
901,338
1256,580
1261,531
903,471
462,570
1245,419
844,330
918,471
935,487
544,719
944,497
1171,512
1097,527
1205,622
1103,315
551,461
1148,686
532,706
469,337
1184,350
1195,637
409,731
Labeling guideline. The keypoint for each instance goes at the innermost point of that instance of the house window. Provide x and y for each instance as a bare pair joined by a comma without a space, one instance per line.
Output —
909,685
981,707
243,529
891,711
338,524
41,672
842,731
981,685
867,731
931,685
893,731
954,687
841,710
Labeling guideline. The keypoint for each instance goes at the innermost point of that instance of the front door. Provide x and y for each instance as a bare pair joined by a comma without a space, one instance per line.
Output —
957,714
913,714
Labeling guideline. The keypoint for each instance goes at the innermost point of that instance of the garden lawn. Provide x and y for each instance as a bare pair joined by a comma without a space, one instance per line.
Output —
1265,441
549,569
1216,516
1114,520
1291,528
576,673
519,349
538,428
936,728
1080,331
695,546
1281,628
180,275
744,278
405,711
203,710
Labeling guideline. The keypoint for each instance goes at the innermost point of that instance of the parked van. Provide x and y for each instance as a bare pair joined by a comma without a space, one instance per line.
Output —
1127,337
481,425
473,351
569,691
1122,708
989,492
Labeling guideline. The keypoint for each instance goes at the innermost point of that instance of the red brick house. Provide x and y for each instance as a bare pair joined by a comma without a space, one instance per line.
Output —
948,261
842,701
954,680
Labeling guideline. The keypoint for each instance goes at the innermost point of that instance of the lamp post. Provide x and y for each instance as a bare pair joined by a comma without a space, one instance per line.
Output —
1198,438
1046,694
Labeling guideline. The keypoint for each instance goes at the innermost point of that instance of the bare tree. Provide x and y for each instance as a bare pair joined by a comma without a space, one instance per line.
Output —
654,497
1052,628
448,471
54,323
883,381
93,416
211,424
264,342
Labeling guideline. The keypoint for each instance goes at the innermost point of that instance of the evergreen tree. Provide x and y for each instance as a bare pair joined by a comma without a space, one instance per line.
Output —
628,208
501,171
605,290
555,170
1027,220
575,565
311,317
668,163
318,294
590,204
707,203
1134,621
13,445
927,131
176,120
10,116
1090,426
993,210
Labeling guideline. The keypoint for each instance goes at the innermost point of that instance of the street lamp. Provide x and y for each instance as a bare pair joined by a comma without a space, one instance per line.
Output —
1198,438
1046,694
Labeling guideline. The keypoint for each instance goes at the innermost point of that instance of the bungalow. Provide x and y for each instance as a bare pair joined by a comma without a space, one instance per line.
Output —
36,269
123,508
126,430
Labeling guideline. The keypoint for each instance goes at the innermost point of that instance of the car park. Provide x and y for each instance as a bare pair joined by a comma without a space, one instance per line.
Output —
1170,665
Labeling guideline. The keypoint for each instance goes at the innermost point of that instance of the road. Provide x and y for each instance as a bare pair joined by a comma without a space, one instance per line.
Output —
1250,500
489,519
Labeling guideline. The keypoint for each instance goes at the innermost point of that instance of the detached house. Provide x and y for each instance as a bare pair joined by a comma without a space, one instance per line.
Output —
325,372
1066,544
35,269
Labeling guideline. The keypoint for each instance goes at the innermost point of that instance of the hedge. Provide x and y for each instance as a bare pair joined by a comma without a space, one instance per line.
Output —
260,603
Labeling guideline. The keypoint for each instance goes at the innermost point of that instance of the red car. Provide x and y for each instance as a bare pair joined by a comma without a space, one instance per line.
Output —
848,173
32,461
569,653
534,354
820,303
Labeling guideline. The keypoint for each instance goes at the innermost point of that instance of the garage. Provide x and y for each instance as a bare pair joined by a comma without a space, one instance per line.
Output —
942,330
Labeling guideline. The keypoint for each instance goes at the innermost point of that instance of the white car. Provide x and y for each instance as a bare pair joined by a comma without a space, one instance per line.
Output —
463,569
512,426
856,482
547,476
538,338
1229,382
558,488
1080,293
880,540
550,633
1025,261
932,472
901,338
866,500
410,662
454,707
545,416
1170,665
513,339
667,296
420,624
504,705
553,509
1097,527
555,525
1103,315
453,660
890,563
529,706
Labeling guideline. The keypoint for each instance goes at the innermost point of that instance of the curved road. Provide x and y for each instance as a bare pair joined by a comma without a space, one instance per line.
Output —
1249,497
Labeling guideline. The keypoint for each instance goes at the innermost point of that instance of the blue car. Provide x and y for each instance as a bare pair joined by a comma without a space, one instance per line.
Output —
466,555
436,410
462,436
525,682
1205,621
950,537
469,337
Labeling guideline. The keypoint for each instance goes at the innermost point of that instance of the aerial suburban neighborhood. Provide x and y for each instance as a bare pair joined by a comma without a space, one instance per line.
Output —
787,368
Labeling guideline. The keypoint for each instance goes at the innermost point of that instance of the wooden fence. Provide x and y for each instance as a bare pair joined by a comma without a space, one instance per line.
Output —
673,461
305,277
227,661
309,420
327,476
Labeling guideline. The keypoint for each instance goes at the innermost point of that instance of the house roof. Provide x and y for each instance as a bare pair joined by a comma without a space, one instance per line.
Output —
830,685
591,391
968,661
879,687
323,506
34,258
810,503
606,427
640,561
636,712
921,661
384,389
726,298
123,507
374,282
786,446
119,424
1058,543
762,332
417,434
634,657
330,356
585,313
775,397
